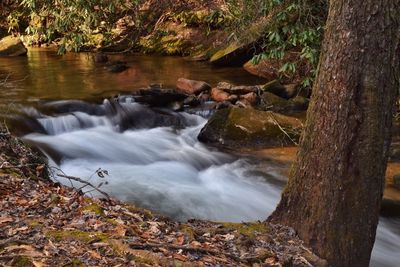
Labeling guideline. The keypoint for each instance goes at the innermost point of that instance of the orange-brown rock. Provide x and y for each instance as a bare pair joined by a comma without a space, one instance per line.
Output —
219,95
191,86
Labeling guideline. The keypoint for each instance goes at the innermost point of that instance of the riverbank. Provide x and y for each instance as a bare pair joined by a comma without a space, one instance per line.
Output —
45,224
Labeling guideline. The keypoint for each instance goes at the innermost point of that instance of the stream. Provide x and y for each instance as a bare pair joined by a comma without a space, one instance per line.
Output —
152,156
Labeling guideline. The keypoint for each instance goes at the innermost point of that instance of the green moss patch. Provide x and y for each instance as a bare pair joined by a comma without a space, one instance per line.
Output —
87,237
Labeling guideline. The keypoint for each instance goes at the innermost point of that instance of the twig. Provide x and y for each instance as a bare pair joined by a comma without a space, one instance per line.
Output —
283,130
185,248
83,182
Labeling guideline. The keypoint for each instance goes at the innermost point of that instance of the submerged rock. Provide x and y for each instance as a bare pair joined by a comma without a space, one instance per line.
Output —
116,66
100,57
12,46
249,128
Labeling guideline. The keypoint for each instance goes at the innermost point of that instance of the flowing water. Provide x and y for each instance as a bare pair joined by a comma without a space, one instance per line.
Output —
152,156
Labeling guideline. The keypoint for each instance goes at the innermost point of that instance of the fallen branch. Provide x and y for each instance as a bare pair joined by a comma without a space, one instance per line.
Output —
184,248
77,179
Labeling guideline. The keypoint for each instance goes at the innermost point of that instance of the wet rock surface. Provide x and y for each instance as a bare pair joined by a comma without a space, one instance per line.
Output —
249,128
12,46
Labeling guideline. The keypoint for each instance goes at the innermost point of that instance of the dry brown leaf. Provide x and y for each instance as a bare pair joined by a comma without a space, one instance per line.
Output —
119,231
180,240
180,257
5,219
26,250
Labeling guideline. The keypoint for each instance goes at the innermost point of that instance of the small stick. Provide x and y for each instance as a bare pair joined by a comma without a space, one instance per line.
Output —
83,182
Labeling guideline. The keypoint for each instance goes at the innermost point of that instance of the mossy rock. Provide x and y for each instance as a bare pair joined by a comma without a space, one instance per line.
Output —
246,128
12,46
234,54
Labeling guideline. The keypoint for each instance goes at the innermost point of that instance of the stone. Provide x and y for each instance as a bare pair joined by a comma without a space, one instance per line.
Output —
246,128
265,69
237,89
234,54
270,101
219,95
12,46
155,97
192,101
298,103
396,181
276,88
191,86
251,98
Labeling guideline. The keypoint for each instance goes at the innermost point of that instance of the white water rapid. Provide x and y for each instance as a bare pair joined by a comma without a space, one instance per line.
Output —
165,168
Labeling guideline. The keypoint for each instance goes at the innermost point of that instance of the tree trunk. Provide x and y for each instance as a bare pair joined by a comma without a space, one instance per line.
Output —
335,187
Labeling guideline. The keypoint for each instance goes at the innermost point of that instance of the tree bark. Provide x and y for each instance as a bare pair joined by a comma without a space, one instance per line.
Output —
335,187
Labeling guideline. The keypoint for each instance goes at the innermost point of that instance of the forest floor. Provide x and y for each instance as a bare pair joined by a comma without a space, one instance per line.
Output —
43,223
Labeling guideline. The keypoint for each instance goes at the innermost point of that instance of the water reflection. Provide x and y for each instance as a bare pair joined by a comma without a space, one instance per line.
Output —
45,75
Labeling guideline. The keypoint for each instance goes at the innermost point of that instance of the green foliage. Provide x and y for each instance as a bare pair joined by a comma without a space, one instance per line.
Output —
292,32
215,19
75,22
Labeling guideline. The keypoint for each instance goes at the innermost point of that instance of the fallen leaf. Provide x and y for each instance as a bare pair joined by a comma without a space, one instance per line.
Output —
5,219
180,257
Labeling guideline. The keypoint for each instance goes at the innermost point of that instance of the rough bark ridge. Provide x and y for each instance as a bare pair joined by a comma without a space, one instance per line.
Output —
335,188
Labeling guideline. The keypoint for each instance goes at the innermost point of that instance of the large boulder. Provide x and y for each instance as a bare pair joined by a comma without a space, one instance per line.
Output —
12,46
246,128
191,87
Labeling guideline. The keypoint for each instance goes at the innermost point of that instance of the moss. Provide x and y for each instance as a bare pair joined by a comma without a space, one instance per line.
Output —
251,229
144,260
224,52
74,263
21,261
93,208
87,237
34,223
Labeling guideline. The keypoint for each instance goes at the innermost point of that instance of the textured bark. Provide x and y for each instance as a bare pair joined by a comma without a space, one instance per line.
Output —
335,188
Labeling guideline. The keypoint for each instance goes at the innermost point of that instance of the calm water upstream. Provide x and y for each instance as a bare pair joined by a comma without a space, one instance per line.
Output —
160,167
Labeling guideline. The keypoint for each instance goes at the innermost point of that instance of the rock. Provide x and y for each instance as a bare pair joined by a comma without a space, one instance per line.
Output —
12,46
250,98
204,97
116,66
298,103
100,57
191,100
265,69
159,97
248,128
236,53
237,89
396,181
218,95
223,105
191,86
276,88
270,101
